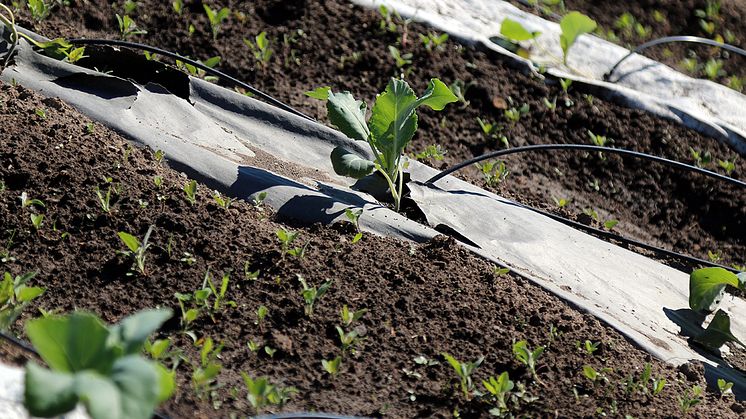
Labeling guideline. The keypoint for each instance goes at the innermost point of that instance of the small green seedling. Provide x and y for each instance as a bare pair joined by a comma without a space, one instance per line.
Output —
258,200
460,88
15,295
591,347
561,202
104,199
714,68
725,387
728,165
349,317
26,201
137,249
494,172
128,27
493,131
528,357
178,6
573,25
261,47
690,399
565,84
700,158
36,220
433,42
552,106
39,9
389,130
348,340
513,114
499,388
516,32
311,295
332,366
223,202
262,394
354,218
205,374
216,18
463,371
610,224
190,191
261,313
248,274
387,22
595,376
401,60
431,152
96,364
287,238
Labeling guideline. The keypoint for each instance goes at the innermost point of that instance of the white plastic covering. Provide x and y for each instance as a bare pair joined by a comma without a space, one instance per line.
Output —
644,83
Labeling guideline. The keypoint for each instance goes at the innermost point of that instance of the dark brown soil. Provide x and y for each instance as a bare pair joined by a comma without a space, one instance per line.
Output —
678,211
677,17
421,300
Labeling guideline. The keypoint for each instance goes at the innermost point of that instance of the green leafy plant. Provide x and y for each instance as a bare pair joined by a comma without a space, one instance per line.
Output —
223,202
390,129
590,373
36,220
262,394
728,165
354,218
690,399
706,290
433,42
725,387
104,199
204,374
15,295
401,60
700,158
137,249
499,388
433,151
591,347
97,365
513,114
216,17
261,313
261,47
349,317
258,201
287,238
527,357
27,202
561,202
573,25
493,131
387,22
178,6
128,27
463,371
190,191
515,32
460,88
332,366
493,171
311,295
714,68
39,9
348,340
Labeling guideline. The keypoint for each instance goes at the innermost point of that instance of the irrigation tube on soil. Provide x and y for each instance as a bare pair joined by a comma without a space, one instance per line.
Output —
669,39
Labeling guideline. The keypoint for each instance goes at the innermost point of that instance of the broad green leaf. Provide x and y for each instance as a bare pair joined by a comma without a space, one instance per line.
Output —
718,332
212,62
346,163
73,343
26,294
261,40
514,31
191,315
437,96
573,25
6,288
348,115
320,93
166,383
48,393
159,347
707,285
129,240
453,362
133,330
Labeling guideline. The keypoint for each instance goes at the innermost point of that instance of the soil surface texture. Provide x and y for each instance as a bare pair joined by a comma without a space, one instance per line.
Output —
421,301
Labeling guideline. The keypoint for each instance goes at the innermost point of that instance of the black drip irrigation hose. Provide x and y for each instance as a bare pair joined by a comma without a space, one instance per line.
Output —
669,39
201,66
575,224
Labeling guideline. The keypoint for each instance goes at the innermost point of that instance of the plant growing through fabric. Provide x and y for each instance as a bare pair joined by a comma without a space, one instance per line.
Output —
137,249
261,48
528,357
389,130
262,394
464,371
216,18
311,295
15,295
98,365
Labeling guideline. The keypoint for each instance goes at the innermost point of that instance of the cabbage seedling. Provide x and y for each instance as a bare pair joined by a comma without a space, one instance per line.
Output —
528,357
332,366
96,364
216,18
401,60
700,158
178,6
390,129
15,296
724,387
287,238
349,317
433,151
727,165
39,9
499,388
261,48
36,220
205,374
128,27
348,339
136,248
573,25
261,313
493,172
263,394
433,42
223,202
354,218
463,371
190,190
311,294
690,399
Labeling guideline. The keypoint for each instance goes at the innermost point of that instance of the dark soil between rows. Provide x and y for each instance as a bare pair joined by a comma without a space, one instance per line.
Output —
677,17
421,300
678,211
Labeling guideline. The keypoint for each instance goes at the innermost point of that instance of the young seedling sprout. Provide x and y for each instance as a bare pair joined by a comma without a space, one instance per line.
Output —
311,295
137,249
15,295
216,18
128,27
262,394
332,366
499,388
190,191
493,172
463,371
528,357
261,48
287,238
205,374
388,131
354,218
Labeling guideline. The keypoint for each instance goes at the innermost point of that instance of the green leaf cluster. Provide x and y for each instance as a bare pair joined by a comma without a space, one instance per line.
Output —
97,365
15,296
